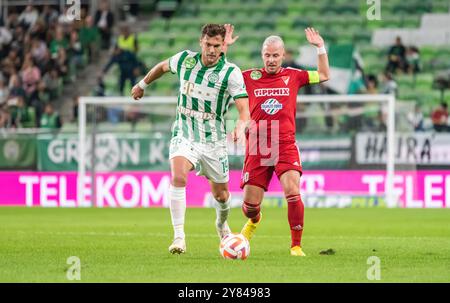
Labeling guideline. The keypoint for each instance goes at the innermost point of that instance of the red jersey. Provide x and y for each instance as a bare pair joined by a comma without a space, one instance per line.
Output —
273,97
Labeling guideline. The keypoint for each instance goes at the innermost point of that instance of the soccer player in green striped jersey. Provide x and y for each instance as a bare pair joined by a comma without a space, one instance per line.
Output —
208,85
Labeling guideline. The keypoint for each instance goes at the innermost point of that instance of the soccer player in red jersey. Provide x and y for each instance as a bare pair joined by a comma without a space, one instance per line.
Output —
271,144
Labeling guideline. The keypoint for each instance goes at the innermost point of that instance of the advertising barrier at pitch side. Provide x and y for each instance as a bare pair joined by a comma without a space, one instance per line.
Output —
319,188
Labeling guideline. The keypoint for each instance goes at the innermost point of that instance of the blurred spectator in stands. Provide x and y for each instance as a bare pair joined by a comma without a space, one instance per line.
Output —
13,19
51,83
29,16
58,42
15,87
388,84
4,90
104,20
415,118
75,51
31,76
63,64
38,49
396,57
50,118
128,66
126,40
47,63
49,14
413,60
11,64
4,116
5,39
19,113
372,84
39,30
439,117
89,35
18,41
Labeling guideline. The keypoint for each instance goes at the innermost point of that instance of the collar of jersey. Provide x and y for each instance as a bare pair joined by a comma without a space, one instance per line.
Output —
199,58
272,75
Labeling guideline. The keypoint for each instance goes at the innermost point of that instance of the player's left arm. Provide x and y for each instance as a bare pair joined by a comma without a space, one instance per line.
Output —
323,68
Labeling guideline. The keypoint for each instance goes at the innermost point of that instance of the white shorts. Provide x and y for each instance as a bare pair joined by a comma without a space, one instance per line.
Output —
209,159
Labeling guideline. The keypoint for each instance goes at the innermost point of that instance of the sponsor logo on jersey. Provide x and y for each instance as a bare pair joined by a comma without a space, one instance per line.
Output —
213,77
272,92
285,79
255,75
190,62
196,114
271,106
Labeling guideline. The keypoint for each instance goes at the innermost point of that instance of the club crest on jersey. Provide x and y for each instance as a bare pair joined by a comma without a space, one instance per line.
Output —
255,75
213,77
285,79
271,106
190,62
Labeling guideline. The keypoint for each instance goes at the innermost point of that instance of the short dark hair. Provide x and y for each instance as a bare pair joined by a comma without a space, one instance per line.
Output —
212,30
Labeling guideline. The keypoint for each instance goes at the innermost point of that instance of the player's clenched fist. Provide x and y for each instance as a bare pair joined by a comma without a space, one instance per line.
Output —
137,92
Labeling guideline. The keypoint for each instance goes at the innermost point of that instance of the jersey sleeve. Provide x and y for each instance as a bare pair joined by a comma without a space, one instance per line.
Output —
236,84
308,77
176,60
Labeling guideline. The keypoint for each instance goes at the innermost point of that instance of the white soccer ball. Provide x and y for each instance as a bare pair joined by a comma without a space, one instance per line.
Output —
234,246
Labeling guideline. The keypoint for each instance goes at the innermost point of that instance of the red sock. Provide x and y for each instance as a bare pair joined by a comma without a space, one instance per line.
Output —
295,218
251,211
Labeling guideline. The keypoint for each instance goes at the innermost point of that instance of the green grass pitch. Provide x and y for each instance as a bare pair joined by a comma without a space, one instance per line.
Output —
131,245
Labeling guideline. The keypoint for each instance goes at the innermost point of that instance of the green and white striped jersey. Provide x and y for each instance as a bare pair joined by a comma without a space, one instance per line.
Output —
204,96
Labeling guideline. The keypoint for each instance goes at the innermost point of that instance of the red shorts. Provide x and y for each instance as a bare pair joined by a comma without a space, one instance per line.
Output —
258,169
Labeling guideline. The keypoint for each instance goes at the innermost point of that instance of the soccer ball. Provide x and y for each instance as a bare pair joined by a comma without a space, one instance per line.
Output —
234,246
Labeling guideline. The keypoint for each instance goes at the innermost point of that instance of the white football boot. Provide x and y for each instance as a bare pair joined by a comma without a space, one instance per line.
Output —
178,246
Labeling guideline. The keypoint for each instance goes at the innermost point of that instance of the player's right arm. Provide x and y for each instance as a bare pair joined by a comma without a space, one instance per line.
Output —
156,72
323,70
229,39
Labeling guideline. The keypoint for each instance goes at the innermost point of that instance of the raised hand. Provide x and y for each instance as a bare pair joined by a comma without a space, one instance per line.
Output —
229,40
137,92
313,37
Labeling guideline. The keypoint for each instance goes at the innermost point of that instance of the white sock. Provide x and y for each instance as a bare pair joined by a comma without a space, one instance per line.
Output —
177,196
222,211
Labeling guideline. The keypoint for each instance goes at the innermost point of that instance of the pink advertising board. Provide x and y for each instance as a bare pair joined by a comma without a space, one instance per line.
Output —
421,189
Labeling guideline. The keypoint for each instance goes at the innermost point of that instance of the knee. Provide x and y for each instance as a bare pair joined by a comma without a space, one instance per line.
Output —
251,210
221,196
292,190
179,180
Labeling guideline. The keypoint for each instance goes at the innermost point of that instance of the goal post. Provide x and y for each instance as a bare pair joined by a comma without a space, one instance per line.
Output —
165,107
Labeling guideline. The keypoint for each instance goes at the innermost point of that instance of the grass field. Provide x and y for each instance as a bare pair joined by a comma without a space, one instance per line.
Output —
130,245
